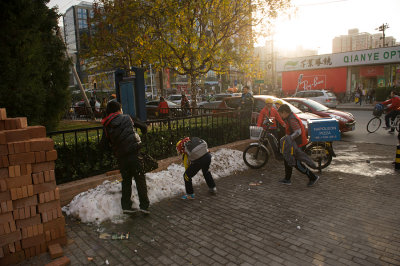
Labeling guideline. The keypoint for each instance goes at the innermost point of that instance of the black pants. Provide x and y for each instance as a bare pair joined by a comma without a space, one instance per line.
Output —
202,163
130,166
301,168
391,115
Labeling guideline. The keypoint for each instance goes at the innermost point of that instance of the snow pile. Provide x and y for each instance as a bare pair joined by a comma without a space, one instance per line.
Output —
104,202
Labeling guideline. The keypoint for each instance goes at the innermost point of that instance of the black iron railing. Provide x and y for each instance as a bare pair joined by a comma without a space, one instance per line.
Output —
81,153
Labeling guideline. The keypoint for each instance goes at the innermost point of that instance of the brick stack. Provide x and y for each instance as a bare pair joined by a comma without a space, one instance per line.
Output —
30,211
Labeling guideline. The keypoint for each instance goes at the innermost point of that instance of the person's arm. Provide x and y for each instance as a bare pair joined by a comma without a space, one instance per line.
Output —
278,117
261,116
387,102
139,124
296,128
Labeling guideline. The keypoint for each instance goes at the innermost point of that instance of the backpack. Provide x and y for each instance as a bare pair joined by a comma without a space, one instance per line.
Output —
196,148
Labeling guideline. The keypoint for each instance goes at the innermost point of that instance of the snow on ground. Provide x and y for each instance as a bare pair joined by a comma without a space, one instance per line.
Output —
104,202
352,161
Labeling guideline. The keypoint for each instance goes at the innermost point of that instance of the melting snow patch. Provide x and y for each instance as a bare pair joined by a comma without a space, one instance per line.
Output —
104,202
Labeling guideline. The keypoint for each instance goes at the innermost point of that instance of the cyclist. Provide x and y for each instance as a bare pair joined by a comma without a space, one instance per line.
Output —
394,109
270,112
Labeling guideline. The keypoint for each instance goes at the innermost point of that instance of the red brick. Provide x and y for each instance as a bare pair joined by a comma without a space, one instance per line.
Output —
41,144
24,191
10,238
50,216
41,198
26,169
10,205
47,236
30,190
40,228
53,234
37,132
3,185
44,217
30,231
17,170
19,147
11,171
57,223
22,223
40,167
19,193
52,175
52,197
13,227
64,261
40,156
18,245
3,207
57,193
62,240
21,213
4,161
22,122
6,218
25,202
13,258
16,214
35,230
32,241
46,176
46,196
3,149
55,213
51,155
48,206
35,178
11,247
3,172
55,251
33,210
14,195
44,187
2,125
21,158
27,211
41,177
1,230
6,195
7,229
10,123
3,114
17,135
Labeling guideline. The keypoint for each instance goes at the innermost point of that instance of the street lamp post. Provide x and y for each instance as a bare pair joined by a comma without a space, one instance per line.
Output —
382,28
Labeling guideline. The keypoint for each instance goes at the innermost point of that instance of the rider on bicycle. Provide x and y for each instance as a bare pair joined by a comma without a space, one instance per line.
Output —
270,112
394,109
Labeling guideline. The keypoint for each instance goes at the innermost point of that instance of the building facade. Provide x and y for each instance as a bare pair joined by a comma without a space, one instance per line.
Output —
342,73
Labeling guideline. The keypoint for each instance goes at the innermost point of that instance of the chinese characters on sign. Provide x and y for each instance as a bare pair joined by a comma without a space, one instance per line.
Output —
312,62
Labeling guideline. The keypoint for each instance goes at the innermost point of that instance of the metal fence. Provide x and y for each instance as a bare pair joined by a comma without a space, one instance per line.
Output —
80,153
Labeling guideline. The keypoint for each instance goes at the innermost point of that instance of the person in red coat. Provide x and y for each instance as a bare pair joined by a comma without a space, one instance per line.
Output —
270,112
394,109
163,108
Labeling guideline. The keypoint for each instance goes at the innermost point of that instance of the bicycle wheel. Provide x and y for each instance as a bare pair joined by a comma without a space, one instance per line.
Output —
320,154
397,125
255,156
374,124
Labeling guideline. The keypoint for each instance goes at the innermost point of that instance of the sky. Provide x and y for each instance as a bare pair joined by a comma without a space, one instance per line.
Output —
317,22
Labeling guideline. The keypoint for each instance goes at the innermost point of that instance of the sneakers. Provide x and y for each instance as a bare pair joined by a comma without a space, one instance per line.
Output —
129,211
212,191
312,182
387,128
391,131
285,181
187,196
145,211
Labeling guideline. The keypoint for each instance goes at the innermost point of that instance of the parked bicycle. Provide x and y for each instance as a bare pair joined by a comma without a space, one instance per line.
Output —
257,154
375,123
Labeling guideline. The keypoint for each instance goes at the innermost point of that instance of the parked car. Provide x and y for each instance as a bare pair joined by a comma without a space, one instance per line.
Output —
259,104
81,110
176,98
214,102
346,120
152,109
324,97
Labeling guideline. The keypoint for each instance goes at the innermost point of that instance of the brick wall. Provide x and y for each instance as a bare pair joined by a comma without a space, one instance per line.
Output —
30,211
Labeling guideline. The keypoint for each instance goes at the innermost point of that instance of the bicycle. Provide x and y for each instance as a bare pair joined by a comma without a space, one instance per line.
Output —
375,123
257,154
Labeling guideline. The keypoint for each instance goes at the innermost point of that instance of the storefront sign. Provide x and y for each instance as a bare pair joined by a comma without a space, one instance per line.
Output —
362,57
372,71
318,79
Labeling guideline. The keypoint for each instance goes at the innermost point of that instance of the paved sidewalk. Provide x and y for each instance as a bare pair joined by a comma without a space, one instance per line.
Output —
345,219
353,106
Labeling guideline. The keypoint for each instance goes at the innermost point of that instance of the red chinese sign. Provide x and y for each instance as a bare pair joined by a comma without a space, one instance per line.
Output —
332,79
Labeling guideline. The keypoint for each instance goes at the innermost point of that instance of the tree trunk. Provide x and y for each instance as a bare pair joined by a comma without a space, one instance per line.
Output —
87,104
193,89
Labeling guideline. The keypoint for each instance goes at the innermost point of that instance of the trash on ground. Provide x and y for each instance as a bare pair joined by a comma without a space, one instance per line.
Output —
89,258
107,262
114,236
298,227
254,184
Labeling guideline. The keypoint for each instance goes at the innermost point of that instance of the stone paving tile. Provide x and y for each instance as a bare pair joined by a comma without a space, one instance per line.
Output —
346,219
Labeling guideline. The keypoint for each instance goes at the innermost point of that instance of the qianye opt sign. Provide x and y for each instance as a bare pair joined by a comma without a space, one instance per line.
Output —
363,57
323,129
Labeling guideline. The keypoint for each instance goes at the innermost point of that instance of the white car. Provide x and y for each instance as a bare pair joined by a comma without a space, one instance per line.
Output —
176,98
324,97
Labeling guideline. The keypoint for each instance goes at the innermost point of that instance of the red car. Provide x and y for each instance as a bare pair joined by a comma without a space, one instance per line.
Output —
259,104
346,120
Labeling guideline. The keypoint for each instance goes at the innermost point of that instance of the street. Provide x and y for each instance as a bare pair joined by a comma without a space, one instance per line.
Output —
361,135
